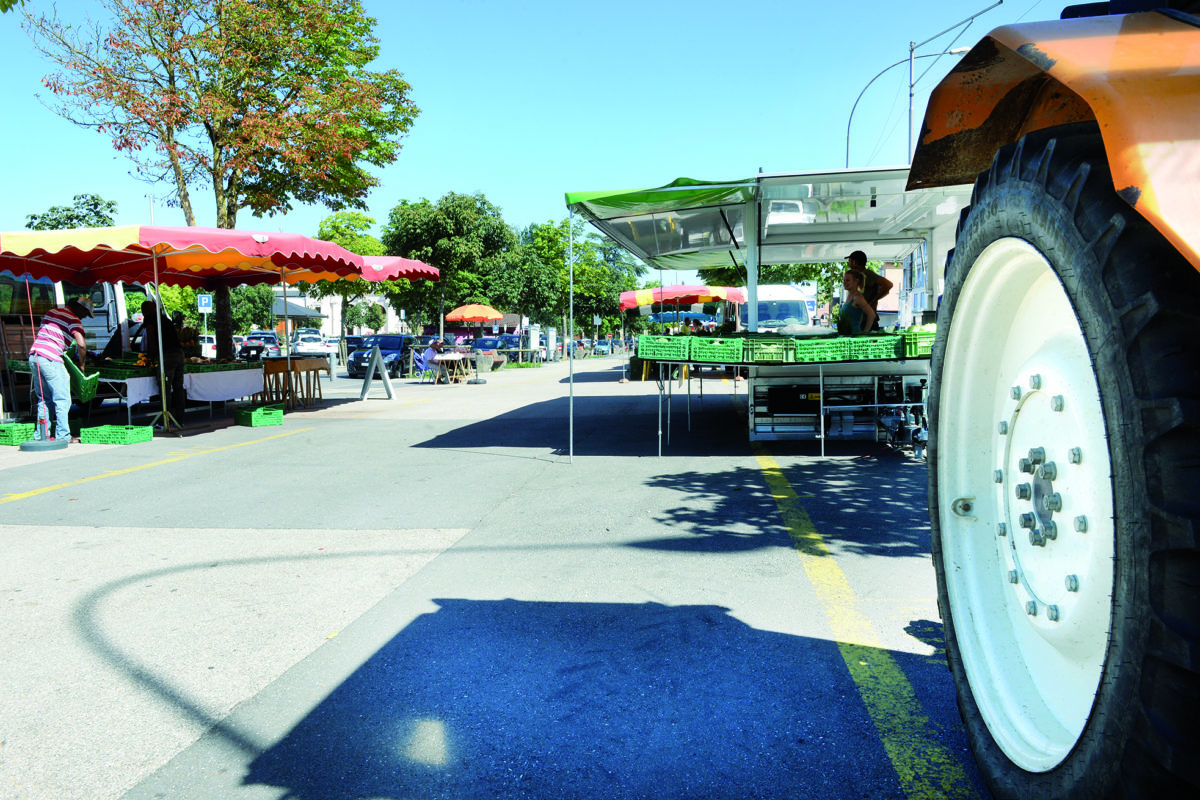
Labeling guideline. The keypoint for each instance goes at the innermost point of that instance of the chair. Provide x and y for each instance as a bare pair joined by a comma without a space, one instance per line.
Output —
424,368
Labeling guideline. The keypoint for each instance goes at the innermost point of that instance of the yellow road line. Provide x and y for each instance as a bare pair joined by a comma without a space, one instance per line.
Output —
8,498
927,770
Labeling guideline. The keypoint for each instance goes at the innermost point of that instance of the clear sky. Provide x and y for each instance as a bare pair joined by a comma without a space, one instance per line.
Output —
524,101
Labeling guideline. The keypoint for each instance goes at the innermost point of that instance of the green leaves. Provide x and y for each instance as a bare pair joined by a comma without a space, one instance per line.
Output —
86,211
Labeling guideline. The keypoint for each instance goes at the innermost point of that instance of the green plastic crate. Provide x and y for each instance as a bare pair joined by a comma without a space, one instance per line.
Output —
723,351
16,432
771,351
259,417
19,365
918,344
813,350
873,348
83,387
663,348
116,434
120,373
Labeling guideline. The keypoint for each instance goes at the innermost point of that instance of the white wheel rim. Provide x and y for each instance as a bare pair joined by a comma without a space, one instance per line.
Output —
1031,613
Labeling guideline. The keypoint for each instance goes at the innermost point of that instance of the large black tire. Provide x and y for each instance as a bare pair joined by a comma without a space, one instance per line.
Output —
1075,653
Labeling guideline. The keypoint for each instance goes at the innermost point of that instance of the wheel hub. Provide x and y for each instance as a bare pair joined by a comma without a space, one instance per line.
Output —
1028,553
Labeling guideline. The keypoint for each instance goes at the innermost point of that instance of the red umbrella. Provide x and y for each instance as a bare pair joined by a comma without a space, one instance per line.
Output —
680,295
188,256
386,268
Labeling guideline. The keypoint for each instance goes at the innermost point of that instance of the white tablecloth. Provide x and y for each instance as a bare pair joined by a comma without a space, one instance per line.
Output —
201,386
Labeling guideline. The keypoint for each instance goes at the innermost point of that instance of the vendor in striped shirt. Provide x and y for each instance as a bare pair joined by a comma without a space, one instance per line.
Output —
50,379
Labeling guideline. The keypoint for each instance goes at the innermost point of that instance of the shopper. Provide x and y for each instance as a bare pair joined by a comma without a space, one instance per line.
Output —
50,379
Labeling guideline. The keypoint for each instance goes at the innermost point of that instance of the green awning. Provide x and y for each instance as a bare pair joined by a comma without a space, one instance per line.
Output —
787,218
687,224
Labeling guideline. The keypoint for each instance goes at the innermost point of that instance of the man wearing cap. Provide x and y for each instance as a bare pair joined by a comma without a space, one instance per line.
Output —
430,355
50,378
172,356
876,285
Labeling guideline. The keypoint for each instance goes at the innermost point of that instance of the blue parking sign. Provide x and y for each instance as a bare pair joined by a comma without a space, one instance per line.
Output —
204,303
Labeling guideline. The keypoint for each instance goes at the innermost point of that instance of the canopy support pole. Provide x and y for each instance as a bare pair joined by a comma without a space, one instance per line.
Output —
570,345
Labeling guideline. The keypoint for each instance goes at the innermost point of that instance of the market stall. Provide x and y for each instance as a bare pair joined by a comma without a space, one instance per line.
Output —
834,387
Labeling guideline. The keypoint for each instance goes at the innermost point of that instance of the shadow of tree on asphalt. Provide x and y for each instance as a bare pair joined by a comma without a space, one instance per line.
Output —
604,700
871,501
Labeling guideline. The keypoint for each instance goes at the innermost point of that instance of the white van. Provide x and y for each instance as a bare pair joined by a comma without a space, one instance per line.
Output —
783,308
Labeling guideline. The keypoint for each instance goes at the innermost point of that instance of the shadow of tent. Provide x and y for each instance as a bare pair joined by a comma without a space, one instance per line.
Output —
555,700
617,425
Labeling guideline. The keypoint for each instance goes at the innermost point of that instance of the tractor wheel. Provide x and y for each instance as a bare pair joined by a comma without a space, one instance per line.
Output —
1064,482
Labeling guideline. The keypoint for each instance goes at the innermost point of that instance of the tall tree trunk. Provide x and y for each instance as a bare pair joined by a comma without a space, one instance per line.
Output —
224,323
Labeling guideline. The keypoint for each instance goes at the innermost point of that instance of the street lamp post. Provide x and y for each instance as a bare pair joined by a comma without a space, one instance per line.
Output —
912,80
878,75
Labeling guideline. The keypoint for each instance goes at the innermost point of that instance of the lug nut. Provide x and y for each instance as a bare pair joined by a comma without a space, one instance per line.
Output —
1057,402
1002,529
1013,577
1002,427
1050,471
1025,465
998,476
1081,524
1050,529
1015,393
1076,455
1037,454
1024,491
1072,583
1035,381
1028,520
1052,613
1053,501
1037,539
1031,608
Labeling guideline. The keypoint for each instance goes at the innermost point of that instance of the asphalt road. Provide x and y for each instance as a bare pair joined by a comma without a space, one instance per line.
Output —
429,597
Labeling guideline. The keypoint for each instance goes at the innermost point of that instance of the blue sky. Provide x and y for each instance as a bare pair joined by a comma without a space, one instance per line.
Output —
524,101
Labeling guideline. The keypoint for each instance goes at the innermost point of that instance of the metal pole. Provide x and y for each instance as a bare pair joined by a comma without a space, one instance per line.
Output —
908,153
571,337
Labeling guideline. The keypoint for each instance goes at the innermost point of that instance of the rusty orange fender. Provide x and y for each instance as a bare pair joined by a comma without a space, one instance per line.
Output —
1136,75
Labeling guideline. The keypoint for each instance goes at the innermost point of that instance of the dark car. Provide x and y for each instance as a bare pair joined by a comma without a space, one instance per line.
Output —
353,343
512,341
394,348
259,345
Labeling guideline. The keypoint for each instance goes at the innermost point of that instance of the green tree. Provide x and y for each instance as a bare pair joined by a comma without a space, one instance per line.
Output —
366,315
349,229
267,102
464,236
253,308
521,283
85,211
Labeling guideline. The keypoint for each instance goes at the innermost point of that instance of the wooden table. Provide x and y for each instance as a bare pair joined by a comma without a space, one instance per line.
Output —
301,386
452,367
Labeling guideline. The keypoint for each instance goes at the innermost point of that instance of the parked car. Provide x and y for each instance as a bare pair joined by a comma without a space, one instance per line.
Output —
393,347
208,345
602,347
259,345
353,343
511,341
310,345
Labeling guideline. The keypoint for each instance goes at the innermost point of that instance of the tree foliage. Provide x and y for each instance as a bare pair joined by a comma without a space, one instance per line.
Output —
266,101
366,314
85,211
253,308
350,230
464,236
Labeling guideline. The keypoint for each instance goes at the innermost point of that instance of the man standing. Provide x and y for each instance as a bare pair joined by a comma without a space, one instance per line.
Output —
172,357
876,285
50,379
